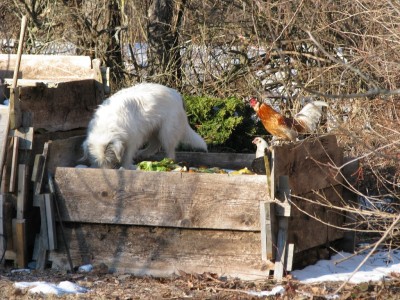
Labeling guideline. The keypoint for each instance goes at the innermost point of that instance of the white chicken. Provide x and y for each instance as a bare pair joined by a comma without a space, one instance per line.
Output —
261,146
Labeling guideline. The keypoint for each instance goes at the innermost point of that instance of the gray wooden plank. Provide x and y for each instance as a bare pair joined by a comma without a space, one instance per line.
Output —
25,135
283,194
50,220
2,232
22,190
307,163
268,230
19,238
174,199
4,125
14,164
141,250
47,67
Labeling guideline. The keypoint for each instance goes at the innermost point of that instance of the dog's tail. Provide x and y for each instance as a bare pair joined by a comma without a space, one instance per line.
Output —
193,139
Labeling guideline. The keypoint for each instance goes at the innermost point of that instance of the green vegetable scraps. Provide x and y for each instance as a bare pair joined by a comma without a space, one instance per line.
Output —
164,165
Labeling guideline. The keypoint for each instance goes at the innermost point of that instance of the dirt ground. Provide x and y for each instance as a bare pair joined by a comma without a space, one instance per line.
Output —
187,286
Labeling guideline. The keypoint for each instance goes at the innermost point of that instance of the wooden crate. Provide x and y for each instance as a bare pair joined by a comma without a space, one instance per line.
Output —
157,223
56,93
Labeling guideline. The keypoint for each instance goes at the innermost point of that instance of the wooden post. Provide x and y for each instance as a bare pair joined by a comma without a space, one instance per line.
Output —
2,232
15,109
22,190
14,163
268,229
20,242
51,222
284,257
4,125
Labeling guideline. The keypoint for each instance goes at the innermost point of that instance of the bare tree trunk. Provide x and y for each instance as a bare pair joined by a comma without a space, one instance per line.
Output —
114,58
164,56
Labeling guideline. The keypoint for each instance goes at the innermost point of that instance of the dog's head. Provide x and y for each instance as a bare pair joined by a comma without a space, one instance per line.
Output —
104,154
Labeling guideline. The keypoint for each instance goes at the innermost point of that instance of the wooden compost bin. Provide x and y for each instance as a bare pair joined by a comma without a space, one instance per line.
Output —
54,97
158,223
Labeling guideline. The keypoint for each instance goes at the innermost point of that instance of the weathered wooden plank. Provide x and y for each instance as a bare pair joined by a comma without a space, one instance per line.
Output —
47,67
163,251
268,223
222,160
306,231
22,190
20,242
281,255
43,244
50,220
39,169
189,200
69,106
14,163
40,83
307,163
25,135
4,124
15,108
2,231
67,153
281,248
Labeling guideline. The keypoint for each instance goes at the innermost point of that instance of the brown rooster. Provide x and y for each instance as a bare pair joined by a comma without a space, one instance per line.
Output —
285,128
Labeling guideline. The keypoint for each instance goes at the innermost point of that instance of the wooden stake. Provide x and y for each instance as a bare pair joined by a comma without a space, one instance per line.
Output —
15,109
14,163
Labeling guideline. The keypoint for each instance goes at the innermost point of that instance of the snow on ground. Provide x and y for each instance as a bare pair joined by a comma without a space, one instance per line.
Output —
376,268
379,266
42,287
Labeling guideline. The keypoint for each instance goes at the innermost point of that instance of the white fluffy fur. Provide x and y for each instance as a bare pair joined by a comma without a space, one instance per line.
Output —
145,113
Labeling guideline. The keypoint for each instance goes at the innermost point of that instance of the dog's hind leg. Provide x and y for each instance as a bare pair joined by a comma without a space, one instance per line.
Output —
152,147
170,137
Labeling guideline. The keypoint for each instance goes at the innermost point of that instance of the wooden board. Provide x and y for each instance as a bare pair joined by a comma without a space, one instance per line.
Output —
307,164
305,231
69,106
67,153
222,160
163,251
187,200
47,67
4,124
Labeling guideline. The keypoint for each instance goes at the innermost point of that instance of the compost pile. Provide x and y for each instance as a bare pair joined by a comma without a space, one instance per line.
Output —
168,165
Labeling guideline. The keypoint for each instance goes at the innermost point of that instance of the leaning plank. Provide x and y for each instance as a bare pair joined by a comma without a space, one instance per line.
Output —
163,251
2,231
22,190
308,163
4,124
160,198
14,163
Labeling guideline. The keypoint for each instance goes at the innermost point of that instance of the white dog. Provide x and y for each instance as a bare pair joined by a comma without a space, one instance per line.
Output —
145,113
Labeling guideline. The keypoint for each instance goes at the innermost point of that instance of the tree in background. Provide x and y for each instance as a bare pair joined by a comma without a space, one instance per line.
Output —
164,21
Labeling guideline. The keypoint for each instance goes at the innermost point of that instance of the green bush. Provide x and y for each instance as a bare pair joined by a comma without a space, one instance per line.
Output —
225,124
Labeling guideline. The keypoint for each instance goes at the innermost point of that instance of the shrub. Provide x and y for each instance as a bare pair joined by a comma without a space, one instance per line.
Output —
225,124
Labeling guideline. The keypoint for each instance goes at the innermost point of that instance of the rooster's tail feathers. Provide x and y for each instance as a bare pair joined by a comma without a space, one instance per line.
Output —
309,116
